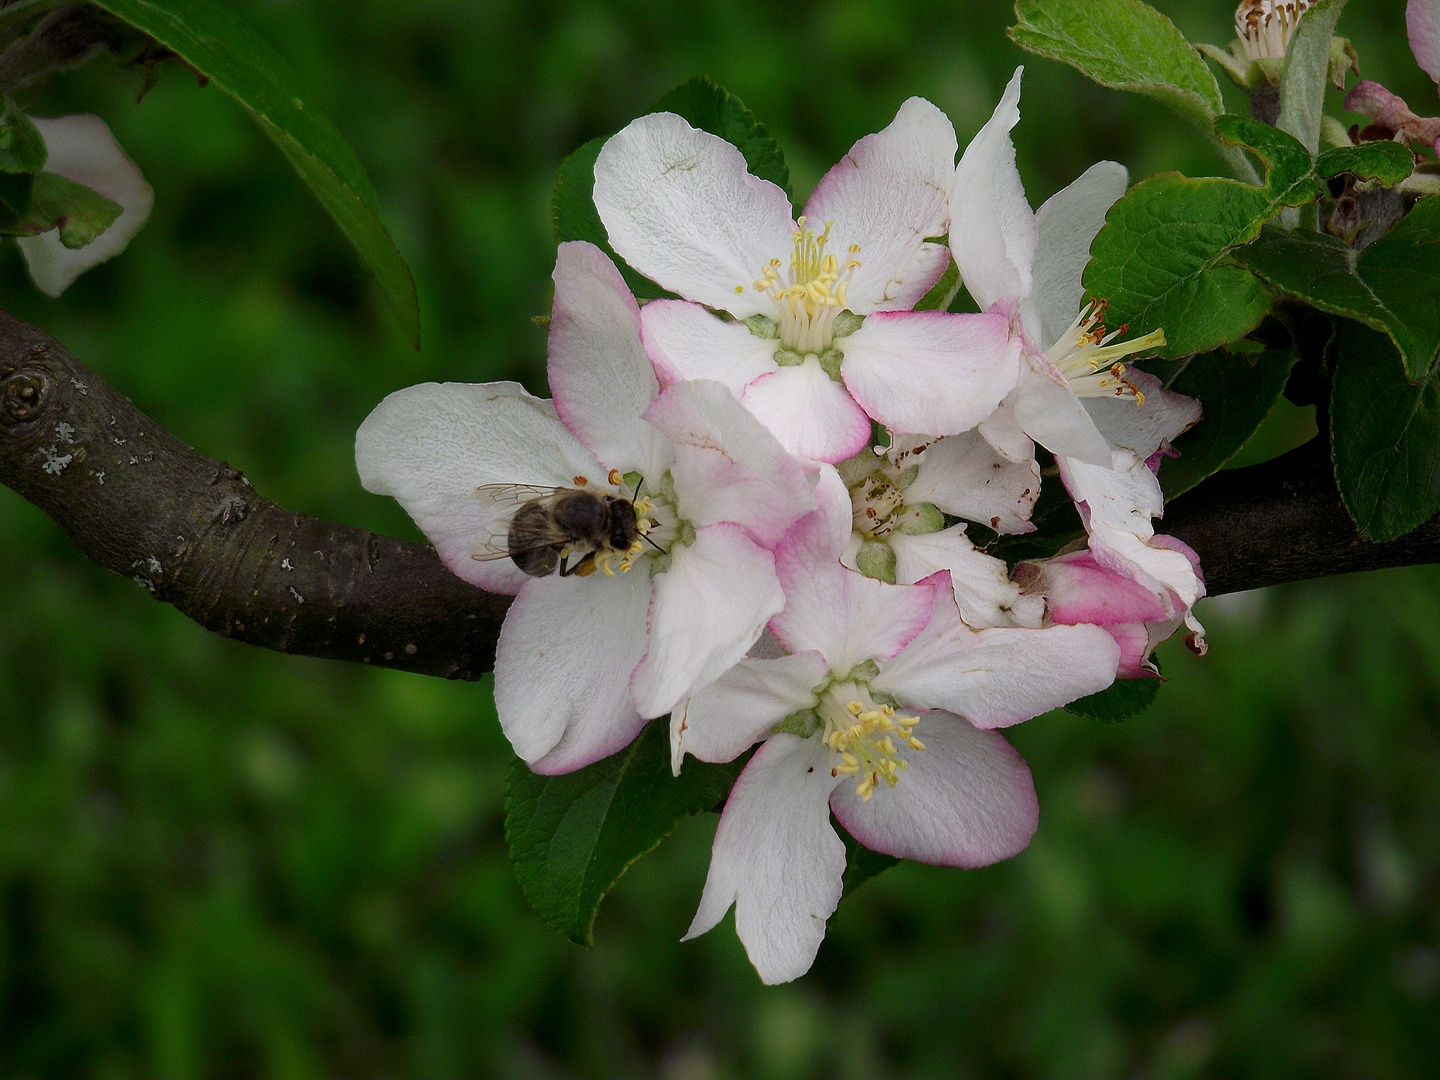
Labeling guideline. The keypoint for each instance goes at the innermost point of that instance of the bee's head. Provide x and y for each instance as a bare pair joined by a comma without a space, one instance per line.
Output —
624,528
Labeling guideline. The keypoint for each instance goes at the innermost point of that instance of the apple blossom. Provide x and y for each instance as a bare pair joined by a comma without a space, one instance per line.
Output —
1074,395
813,347
583,661
1078,590
81,148
882,713
1266,26
899,498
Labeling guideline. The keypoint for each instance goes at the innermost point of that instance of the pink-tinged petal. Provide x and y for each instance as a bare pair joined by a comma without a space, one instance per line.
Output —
992,230
1379,104
680,207
431,446
1422,20
1079,590
1135,647
966,800
82,149
686,341
1117,506
998,677
728,467
562,668
709,608
599,373
887,195
812,415
847,617
1067,224
930,371
1144,428
1047,408
1005,435
983,589
777,859
966,477
719,722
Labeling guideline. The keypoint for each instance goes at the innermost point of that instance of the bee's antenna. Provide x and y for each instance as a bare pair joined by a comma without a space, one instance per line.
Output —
656,546
636,493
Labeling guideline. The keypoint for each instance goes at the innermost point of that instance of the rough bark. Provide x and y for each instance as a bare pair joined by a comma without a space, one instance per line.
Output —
193,532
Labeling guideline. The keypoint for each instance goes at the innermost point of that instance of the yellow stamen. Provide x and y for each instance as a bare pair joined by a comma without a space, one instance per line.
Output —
814,294
865,749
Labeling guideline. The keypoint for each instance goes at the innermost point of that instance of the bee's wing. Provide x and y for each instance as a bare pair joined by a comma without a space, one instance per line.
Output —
503,500
513,496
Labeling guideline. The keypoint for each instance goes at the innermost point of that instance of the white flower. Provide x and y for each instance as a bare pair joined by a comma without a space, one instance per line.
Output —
582,662
1116,505
899,499
82,149
1074,396
882,714
1266,26
822,334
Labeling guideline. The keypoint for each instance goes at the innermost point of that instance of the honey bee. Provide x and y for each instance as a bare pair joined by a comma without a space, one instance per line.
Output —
552,524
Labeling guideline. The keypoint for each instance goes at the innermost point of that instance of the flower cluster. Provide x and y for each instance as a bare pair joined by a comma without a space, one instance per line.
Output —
753,507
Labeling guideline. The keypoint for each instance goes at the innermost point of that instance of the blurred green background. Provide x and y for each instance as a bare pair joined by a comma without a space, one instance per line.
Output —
221,862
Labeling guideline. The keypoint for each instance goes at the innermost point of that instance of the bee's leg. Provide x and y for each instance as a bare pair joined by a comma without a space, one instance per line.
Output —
583,568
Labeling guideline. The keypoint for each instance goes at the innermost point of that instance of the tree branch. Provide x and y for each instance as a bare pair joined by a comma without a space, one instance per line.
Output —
194,533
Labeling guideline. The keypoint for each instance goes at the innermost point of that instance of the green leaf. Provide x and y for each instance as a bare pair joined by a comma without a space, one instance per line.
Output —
1393,285
1156,260
861,864
80,213
572,836
1128,45
709,108
1307,71
224,48
1386,162
1121,700
15,192
1386,436
1238,393
22,148
1125,45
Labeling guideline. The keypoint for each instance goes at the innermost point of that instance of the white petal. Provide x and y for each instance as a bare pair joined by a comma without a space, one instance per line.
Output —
1004,433
686,341
887,195
430,446
82,149
812,415
562,668
719,722
681,208
1047,408
966,800
1145,427
599,373
777,859
999,677
709,608
1117,506
983,589
992,231
930,371
1067,224
964,476
728,467
1422,20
